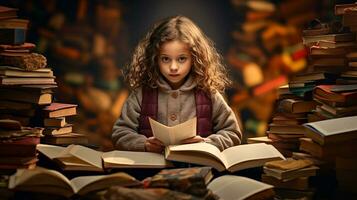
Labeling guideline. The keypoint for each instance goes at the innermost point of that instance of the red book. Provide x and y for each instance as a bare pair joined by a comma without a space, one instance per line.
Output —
60,110
337,93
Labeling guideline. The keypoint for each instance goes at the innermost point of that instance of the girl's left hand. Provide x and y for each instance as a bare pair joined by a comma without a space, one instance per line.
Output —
195,139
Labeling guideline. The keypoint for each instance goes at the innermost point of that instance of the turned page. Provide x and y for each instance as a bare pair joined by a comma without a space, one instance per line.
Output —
174,134
86,154
196,153
250,152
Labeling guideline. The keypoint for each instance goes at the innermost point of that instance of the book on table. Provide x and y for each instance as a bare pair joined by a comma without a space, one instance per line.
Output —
52,182
232,159
77,157
174,134
80,158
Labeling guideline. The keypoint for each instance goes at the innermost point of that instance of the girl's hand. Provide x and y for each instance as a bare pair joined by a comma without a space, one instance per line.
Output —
195,139
154,145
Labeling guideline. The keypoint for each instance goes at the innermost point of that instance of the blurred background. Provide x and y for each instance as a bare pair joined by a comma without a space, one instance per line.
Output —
88,42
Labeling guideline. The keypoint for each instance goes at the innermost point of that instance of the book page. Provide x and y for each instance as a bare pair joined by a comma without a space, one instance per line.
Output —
175,134
39,177
249,152
85,184
206,149
50,151
86,154
115,159
236,187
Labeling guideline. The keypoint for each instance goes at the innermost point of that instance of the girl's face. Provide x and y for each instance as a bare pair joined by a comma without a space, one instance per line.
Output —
175,62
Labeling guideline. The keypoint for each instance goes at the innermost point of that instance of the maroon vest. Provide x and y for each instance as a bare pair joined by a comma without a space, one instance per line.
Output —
149,108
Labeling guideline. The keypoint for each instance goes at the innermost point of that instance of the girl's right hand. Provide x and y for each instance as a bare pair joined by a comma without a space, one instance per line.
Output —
154,145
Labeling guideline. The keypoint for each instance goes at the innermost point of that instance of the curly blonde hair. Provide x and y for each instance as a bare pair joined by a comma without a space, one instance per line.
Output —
207,70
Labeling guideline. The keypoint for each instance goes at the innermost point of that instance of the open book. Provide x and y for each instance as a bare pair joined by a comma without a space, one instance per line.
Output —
52,182
174,134
232,159
237,188
80,158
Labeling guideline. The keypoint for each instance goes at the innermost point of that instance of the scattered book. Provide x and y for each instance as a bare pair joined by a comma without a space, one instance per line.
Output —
52,182
80,158
232,159
175,134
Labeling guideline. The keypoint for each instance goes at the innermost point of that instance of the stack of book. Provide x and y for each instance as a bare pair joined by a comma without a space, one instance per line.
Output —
57,130
334,140
26,85
349,17
290,177
18,145
25,81
286,127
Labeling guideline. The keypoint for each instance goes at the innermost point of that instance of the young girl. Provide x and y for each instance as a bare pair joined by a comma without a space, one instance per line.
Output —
176,74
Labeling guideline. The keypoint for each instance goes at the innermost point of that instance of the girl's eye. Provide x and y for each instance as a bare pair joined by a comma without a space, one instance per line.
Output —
165,59
182,59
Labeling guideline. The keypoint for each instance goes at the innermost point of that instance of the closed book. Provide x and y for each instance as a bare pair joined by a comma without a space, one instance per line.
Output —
4,80
288,121
7,13
65,139
332,44
13,36
328,151
14,24
287,175
342,37
301,183
316,51
286,129
332,130
55,110
296,106
337,93
26,96
19,72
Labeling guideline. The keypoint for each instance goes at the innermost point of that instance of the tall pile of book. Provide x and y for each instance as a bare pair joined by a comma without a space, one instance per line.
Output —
26,82
286,128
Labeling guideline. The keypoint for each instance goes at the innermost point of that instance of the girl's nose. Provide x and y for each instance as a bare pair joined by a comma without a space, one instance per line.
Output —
173,66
